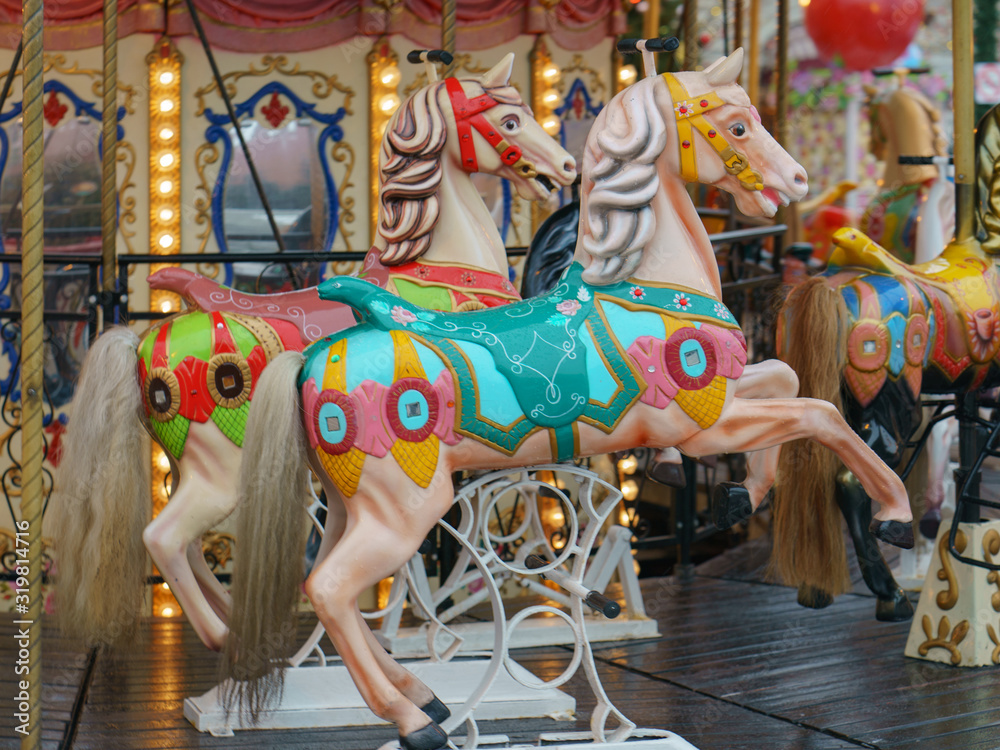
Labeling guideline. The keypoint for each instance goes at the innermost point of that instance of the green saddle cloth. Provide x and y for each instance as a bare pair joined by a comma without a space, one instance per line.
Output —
535,344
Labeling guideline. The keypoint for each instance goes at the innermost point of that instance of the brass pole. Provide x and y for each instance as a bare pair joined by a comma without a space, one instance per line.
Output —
964,108
753,74
781,98
109,154
651,20
690,19
448,31
738,25
32,441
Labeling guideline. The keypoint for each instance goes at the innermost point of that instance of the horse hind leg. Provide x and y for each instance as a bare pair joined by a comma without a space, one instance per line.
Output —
415,690
382,534
893,605
205,496
734,502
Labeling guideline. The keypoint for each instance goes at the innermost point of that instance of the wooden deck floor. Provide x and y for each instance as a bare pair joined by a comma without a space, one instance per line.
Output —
740,666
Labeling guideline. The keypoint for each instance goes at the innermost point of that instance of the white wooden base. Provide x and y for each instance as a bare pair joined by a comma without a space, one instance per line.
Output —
532,633
958,617
640,739
327,697
911,570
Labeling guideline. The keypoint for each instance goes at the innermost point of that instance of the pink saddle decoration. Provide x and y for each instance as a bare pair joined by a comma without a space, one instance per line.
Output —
311,316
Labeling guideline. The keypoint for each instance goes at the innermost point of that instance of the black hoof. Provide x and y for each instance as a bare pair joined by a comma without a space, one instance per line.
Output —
730,504
431,737
436,710
896,533
669,474
814,598
896,609
930,524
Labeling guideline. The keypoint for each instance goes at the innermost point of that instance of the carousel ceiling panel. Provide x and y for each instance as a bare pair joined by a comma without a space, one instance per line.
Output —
269,26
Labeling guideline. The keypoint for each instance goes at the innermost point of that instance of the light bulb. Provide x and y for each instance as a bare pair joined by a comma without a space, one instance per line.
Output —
551,125
550,97
389,76
167,612
630,490
166,134
166,105
628,465
166,77
166,186
551,73
166,306
164,464
627,75
166,214
166,241
388,103
166,160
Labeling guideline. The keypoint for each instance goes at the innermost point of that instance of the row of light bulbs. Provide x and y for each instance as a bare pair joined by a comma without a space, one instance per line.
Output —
164,194
551,98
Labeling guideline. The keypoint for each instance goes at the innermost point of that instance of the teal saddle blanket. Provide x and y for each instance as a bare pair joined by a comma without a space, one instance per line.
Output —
540,346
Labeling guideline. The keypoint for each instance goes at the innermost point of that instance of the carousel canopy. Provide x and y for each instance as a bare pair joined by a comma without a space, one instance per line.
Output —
277,26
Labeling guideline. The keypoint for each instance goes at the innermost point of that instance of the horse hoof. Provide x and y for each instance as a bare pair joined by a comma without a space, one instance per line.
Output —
814,598
896,609
436,710
896,533
669,474
930,524
730,504
431,737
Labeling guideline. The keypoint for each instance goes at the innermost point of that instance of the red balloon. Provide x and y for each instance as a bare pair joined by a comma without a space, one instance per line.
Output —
865,34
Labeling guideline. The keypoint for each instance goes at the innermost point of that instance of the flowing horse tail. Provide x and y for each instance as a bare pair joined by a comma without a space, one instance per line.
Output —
808,549
271,528
101,498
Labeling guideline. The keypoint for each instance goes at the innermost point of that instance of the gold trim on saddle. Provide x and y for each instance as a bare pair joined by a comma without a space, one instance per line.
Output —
262,331
690,114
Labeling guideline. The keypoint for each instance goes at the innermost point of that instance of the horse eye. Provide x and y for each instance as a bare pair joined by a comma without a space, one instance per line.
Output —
738,129
511,123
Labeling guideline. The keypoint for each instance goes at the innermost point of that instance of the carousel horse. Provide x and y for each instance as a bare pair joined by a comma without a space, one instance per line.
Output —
632,347
913,213
197,370
871,335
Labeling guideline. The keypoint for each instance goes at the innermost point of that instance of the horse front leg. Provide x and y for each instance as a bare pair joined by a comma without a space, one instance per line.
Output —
736,502
749,425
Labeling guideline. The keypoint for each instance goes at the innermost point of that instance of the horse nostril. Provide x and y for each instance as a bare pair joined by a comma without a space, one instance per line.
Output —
570,165
800,178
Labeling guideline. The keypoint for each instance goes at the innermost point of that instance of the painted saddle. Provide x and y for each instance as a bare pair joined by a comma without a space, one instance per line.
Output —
579,353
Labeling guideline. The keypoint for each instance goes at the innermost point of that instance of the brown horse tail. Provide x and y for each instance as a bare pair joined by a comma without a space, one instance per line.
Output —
808,548
101,498
271,530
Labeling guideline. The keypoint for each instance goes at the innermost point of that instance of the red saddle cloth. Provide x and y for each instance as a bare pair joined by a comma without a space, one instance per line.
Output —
312,317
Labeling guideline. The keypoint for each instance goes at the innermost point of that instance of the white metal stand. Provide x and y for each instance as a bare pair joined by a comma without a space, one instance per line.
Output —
613,556
310,693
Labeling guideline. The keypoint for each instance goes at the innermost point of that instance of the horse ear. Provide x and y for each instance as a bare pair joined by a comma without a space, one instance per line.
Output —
499,74
725,70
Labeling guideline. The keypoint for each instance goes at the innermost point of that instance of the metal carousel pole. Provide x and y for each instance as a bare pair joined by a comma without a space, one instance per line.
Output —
448,23
109,161
32,342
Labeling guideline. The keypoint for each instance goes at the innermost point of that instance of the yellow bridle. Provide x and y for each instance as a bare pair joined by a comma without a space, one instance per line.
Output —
690,114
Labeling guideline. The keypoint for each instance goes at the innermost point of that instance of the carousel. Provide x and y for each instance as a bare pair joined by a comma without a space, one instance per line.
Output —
414,375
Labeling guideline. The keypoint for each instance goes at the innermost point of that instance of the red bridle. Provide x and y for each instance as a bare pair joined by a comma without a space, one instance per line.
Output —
469,115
